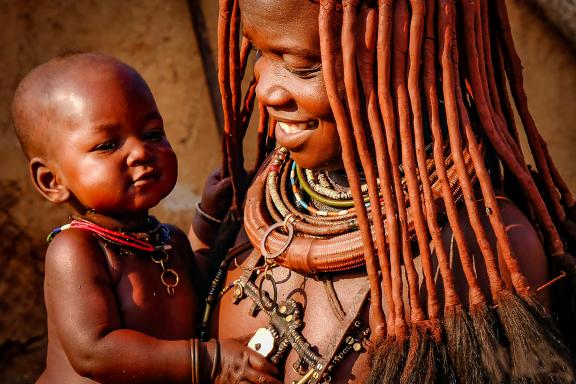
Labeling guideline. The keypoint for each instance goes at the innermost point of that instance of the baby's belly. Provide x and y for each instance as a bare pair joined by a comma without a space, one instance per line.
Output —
322,323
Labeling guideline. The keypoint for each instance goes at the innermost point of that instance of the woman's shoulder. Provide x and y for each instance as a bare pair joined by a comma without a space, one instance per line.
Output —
525,241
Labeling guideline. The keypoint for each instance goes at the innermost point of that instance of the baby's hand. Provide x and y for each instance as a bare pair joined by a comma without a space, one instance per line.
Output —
238,364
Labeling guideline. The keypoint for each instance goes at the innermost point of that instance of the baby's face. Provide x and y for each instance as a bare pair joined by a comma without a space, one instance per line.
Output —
110,146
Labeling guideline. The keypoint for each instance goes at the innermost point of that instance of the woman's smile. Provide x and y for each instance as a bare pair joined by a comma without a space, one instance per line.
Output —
292,135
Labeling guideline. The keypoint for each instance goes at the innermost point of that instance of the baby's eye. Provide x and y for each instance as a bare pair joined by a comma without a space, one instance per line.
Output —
107,146
154,135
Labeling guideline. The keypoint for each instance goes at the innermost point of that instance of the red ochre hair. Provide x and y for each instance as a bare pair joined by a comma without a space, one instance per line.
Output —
445,69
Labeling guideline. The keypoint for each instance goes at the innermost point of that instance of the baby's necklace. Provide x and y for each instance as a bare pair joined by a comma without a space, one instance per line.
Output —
155,243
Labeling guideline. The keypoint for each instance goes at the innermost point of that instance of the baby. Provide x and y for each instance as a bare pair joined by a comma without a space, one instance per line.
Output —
120,288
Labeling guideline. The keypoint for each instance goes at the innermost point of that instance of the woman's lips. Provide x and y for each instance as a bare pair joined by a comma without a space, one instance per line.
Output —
291,135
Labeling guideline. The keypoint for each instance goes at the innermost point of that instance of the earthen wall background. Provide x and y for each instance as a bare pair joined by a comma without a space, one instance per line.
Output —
157,38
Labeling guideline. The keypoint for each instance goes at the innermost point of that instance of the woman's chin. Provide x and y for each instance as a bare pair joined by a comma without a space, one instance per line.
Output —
315,162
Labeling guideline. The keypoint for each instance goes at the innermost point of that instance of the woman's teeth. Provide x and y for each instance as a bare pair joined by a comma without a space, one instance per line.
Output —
296,127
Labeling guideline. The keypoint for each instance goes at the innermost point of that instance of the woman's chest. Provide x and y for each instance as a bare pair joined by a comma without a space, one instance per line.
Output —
310,318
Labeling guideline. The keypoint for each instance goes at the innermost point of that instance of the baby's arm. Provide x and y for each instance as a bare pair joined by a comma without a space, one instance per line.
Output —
82,309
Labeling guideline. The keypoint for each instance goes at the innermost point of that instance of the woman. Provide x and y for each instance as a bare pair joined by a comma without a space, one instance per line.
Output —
378,223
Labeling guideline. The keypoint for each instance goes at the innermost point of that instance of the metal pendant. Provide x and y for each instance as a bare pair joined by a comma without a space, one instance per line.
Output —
263,342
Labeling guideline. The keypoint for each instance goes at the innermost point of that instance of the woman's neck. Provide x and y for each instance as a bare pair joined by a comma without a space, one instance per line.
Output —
339,177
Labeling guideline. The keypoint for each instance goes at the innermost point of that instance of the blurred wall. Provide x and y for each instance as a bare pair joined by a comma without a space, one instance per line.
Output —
157,38
549,61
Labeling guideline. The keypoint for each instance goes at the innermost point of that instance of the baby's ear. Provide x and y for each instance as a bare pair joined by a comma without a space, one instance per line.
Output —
47,182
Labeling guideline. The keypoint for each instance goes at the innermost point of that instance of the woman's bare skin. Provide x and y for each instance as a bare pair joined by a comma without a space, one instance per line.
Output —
320,320
291,86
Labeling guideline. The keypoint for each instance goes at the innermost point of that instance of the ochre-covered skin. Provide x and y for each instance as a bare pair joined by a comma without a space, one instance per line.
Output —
319,318
111,318
377,89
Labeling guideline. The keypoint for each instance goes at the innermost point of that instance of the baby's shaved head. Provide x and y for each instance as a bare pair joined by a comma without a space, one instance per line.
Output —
35,106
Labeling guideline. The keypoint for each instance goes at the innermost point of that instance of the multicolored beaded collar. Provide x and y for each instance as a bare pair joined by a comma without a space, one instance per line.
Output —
155,242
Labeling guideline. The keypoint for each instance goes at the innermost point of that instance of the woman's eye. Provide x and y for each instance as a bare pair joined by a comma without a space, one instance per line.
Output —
305,73
255,49
154,135
107,146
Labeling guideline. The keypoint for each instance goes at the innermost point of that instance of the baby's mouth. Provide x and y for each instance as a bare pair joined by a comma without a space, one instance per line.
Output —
146,178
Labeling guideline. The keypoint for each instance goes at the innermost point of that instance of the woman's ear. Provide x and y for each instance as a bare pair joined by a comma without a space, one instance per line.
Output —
47,182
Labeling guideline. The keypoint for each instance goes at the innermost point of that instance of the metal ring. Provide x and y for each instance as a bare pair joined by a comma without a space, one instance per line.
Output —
290,218
172,272
161,260
271,256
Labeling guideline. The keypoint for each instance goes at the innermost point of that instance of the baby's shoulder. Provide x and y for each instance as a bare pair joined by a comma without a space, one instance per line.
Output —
73,240
178,238
180,243
74,251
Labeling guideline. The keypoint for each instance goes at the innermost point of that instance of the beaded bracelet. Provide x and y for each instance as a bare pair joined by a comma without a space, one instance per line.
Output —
209,218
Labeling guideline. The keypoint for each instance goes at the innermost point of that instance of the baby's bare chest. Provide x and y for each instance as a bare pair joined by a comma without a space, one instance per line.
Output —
158,299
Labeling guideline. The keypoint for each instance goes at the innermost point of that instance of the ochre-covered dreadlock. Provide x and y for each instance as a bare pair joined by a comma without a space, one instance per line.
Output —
415,73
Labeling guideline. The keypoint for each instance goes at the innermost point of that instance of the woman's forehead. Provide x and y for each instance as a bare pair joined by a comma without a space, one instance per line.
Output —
280,9
280,23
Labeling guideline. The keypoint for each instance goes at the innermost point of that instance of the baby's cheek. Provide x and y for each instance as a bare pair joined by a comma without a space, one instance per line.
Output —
170,169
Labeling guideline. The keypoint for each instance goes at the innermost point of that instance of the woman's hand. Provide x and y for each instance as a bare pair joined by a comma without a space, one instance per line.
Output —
213,206
217,195
239,364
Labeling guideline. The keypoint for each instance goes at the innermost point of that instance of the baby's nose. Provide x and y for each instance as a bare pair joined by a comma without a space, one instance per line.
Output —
138,152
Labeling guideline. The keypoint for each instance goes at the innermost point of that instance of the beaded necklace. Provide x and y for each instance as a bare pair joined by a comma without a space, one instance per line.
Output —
337,199
328,239
154,242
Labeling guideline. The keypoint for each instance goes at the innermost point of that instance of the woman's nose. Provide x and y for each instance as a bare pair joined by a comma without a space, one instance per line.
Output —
138,152
270,90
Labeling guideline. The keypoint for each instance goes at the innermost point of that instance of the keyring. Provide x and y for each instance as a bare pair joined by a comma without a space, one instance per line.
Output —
287,224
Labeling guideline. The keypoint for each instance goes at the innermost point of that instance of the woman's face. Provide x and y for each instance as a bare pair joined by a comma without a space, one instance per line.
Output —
290,81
